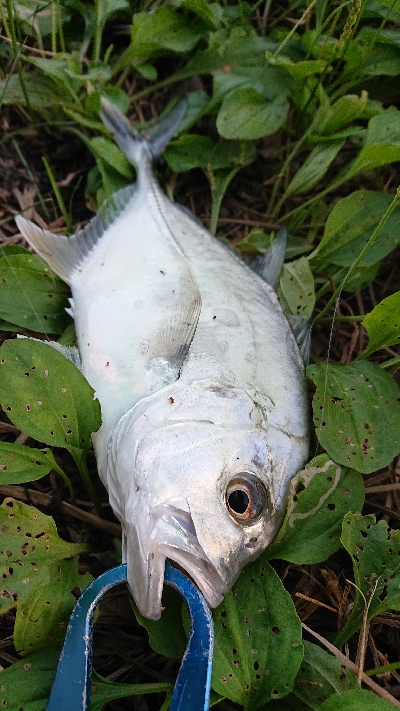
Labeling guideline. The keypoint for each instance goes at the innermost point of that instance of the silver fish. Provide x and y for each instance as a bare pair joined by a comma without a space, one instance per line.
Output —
198,373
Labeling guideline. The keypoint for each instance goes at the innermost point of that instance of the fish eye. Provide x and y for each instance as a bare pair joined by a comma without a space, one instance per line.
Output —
246,498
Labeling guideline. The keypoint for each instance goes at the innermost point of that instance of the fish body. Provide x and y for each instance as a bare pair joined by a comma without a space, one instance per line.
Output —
200,381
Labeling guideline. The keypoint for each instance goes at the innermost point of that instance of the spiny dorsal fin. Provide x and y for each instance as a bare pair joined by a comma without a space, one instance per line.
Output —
65,255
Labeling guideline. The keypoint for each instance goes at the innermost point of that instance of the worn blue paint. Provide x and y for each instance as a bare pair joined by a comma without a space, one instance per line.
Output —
72,683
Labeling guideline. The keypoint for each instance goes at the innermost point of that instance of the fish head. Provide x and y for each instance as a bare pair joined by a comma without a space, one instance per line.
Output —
195,475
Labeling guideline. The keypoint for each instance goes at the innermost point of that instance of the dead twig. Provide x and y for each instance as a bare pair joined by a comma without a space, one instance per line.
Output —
350,665
39,498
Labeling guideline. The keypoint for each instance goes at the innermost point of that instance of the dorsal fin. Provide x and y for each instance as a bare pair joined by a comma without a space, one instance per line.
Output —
65,255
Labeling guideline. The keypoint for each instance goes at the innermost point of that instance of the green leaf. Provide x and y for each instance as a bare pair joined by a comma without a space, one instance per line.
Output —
360,277
219,181
104,691
26,685
195,151
320,496
246,114
321,676
29,545
298,70
357,700
256,242
258,647
356,414
352,222
42,618
375,552
42,90
297,286
313,169
346,109
46,396
19,464
165,29
112,155
166,635
31,296
382,145
383,325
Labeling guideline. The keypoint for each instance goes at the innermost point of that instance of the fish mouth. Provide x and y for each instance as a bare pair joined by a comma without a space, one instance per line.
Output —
173,536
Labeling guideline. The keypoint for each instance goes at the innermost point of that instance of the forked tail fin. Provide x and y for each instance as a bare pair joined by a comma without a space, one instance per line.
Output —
152,141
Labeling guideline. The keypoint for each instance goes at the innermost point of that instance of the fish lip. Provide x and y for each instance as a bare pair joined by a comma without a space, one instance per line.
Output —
183,548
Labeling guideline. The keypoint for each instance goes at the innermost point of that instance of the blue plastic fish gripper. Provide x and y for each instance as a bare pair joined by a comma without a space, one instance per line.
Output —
72,684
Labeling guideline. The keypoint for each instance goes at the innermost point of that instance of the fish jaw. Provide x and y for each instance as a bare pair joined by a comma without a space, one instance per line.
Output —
166,532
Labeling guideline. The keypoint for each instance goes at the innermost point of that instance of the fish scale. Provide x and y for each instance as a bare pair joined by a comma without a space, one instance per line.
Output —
199,377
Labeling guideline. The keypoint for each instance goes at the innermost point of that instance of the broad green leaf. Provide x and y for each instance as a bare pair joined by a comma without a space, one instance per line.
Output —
104,691
42,91
112,181
298,70
251,73
29,544
321,676
166,635
245,114
360,277
382,145
351,224
256,242
258,647
31,296
13,249
46,396
209,12
375,552
165,29
68,337
320,495
356,414
383,325
346,109
112,155
42,618
19,464
297,286
195,151
26,685
313,169
356,700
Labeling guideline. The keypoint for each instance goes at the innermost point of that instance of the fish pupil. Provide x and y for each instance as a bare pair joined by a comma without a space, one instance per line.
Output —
238,501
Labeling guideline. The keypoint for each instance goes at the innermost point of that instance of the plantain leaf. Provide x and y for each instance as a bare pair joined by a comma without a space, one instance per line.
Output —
357,700
375,552
321,676
107,150
42,618
356,414
383,325
46,396
104,691
258,647
297,287
313,169
31,296
245,114
29,545
351,224
320,496
26,685
19,464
